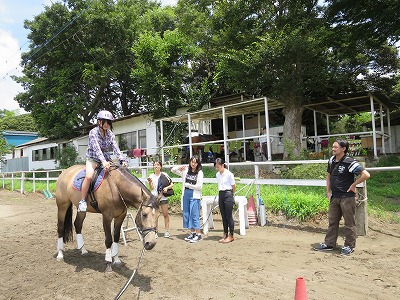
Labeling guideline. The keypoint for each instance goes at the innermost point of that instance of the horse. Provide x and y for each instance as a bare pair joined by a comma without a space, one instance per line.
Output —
118,190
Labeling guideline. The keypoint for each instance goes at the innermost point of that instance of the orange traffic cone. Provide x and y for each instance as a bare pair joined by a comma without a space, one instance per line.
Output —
301,292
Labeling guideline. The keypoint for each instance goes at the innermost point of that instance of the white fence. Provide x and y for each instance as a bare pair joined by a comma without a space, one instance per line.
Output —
361,213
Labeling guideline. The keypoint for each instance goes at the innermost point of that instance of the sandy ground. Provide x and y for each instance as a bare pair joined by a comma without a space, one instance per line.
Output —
264,264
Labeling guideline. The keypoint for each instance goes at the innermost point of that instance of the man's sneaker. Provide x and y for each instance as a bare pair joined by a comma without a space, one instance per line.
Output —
166,234
190,236
196,238
82,206
346,250
323,247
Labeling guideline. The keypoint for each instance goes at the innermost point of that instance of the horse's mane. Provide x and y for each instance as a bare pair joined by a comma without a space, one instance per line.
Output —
129,176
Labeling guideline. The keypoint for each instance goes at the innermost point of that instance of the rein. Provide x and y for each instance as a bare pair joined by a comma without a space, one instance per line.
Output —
143,231
130,278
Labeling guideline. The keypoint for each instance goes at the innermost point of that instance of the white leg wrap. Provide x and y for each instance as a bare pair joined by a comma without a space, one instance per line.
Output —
83,250
79,241
60,244
114,249
108,255
60,255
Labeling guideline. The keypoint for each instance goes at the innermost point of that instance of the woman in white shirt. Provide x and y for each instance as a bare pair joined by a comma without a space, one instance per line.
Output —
226,201
153,182
192,183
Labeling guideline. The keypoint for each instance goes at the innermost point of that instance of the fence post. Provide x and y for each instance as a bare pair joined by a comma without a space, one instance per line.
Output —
258,193
3,180
34,182
12,182
362,211
47,180
22,182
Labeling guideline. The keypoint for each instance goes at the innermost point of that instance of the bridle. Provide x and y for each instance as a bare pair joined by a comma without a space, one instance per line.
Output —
146,230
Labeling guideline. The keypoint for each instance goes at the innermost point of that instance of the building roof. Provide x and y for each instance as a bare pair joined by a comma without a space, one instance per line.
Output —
239,107
35,141
350,103
14,132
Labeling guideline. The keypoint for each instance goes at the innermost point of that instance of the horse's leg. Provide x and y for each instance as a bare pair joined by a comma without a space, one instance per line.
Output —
107,230
117,233
64,228
80,243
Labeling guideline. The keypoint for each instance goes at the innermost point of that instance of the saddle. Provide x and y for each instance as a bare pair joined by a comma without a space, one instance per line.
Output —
97,179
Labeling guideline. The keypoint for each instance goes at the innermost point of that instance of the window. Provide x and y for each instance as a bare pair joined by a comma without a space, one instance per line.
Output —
127,141
53,152
35,155
142,139
44,154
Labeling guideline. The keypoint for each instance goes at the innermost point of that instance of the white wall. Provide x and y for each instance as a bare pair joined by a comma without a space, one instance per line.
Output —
42,164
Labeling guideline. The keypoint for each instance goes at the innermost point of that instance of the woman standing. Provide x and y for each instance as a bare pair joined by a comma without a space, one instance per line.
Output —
153,182
192,183
227,188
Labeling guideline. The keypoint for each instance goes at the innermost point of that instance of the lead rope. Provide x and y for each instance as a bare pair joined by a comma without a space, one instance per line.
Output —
130,278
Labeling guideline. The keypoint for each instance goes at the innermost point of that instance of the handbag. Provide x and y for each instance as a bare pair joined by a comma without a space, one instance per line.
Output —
169,193
164,181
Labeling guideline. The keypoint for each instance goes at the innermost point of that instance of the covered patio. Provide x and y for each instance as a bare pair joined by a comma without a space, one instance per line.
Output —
373,102
348,104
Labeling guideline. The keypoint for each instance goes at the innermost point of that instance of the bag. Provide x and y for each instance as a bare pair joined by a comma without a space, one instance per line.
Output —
164,181
169,193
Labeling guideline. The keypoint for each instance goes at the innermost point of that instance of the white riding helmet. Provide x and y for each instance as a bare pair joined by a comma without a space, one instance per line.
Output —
105,115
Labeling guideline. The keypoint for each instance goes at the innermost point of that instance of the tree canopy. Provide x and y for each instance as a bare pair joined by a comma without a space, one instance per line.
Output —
134,55
11,120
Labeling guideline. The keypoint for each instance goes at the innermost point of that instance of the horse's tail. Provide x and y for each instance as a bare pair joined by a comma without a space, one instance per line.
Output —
67,234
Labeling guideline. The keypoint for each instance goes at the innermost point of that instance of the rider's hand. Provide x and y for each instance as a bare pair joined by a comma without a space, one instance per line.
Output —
106,164
124,164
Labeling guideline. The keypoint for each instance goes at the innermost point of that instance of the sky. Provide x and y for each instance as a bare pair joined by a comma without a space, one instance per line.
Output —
13,41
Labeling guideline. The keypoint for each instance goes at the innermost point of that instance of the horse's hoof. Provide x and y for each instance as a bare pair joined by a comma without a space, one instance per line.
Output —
117,261
60,258
84,251
108,268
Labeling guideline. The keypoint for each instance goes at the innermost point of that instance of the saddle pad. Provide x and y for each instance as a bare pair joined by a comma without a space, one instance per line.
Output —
78,180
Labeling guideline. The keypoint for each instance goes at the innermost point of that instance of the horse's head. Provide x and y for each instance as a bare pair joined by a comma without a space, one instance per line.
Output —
146,219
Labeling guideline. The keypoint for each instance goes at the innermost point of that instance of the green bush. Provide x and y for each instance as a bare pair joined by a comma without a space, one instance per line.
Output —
301,203
306,171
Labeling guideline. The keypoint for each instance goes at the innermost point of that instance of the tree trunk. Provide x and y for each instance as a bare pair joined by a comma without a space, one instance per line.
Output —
293,112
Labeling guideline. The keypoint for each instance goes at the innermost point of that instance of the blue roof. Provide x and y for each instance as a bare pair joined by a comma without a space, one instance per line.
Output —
15,138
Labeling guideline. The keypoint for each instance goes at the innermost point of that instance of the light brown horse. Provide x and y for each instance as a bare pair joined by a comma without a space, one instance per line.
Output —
119,190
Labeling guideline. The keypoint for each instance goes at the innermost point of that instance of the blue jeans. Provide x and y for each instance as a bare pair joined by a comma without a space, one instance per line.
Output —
191,210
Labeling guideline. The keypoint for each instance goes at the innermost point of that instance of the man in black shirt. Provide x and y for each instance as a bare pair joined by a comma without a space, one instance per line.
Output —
340,190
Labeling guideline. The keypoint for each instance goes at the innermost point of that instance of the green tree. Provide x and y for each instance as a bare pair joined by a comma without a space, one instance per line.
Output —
4,148
13,121
73,71
66,157
290,51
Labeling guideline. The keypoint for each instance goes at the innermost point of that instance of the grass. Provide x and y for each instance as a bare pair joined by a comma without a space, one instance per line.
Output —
384,195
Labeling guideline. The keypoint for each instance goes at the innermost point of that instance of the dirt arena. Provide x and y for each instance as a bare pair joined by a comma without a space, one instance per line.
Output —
264,264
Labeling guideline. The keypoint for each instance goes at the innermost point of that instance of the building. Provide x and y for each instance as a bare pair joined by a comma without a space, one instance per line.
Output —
132,132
